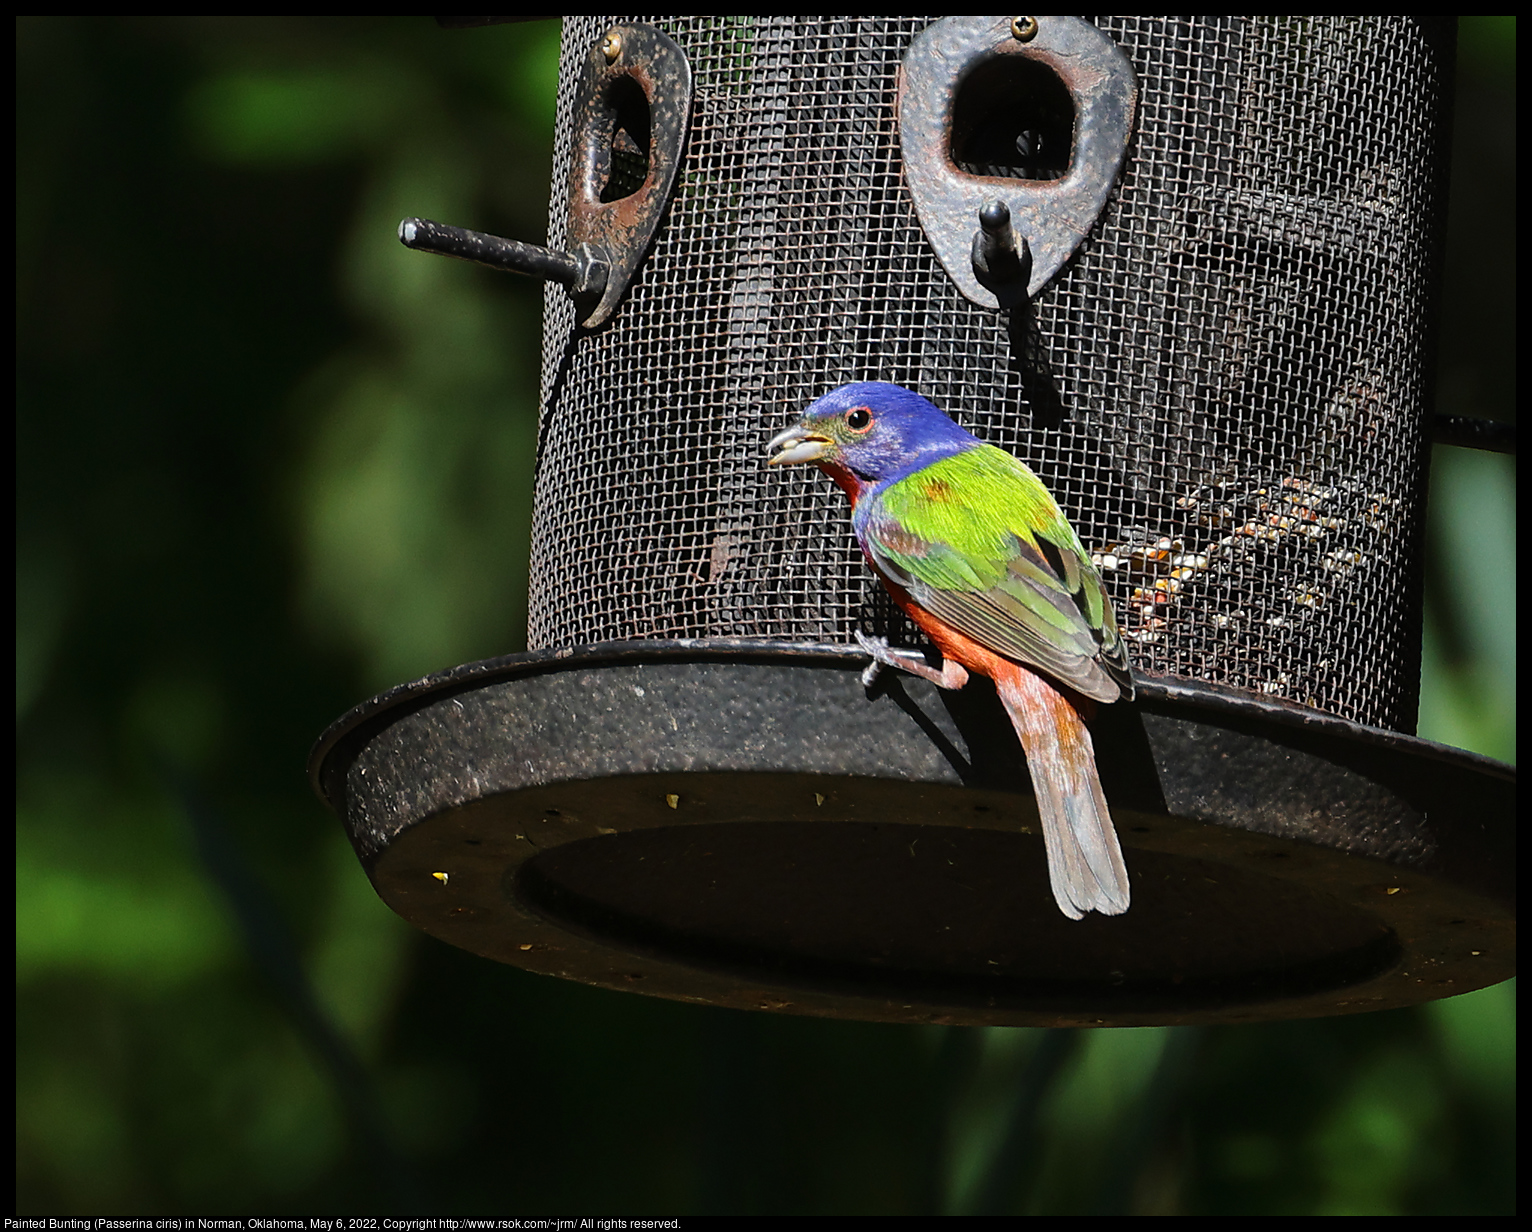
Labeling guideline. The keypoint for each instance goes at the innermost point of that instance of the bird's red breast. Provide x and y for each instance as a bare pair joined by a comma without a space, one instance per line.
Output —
849,482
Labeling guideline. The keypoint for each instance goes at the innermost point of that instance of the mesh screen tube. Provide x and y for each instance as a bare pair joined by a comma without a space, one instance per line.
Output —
1226,388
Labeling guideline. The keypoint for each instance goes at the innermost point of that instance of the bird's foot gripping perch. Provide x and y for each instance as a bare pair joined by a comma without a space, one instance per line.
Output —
952,675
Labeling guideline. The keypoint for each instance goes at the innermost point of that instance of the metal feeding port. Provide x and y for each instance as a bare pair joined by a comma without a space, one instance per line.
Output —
1185,268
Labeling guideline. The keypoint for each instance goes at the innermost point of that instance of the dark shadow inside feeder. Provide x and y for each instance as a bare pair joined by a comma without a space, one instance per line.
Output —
627,152
1013,119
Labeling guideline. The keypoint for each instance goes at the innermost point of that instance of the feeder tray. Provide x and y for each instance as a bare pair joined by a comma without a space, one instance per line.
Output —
744,825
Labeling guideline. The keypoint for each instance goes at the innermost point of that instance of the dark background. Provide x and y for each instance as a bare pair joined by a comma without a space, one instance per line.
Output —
271,463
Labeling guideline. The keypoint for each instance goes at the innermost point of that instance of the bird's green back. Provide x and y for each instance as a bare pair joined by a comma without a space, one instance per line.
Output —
977,539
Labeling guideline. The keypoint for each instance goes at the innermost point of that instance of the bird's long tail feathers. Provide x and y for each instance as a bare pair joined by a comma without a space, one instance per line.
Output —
1085,863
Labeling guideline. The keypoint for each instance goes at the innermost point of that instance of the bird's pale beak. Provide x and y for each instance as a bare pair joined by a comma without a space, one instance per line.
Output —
798,444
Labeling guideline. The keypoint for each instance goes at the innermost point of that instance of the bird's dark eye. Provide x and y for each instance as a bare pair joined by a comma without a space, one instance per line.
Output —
859,419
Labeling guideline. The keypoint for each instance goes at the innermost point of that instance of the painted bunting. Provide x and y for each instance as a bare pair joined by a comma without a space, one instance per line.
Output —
974,549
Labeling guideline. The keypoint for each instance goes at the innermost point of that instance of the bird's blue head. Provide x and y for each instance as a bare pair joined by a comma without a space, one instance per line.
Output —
868,434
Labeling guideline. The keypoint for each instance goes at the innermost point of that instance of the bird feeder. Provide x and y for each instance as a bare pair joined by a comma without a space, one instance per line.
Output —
1185,268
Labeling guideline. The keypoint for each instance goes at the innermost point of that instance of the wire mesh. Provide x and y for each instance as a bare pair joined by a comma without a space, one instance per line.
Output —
1225,389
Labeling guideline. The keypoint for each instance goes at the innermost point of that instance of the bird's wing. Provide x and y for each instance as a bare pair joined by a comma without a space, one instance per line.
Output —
978,542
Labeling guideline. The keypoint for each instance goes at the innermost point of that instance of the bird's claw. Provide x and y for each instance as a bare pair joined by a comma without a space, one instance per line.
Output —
950,676
878,647
884,655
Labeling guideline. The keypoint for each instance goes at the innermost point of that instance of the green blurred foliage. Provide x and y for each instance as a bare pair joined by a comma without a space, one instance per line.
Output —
270,462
